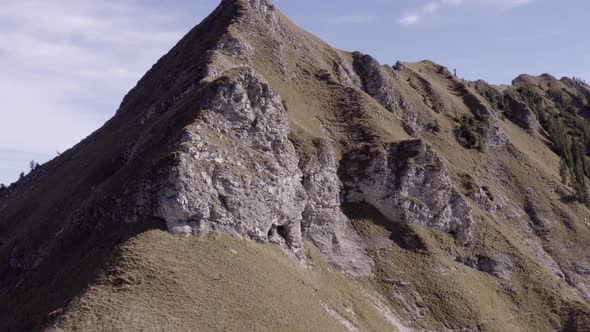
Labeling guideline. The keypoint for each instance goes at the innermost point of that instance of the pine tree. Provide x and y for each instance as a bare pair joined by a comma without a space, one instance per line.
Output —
580,178
21,176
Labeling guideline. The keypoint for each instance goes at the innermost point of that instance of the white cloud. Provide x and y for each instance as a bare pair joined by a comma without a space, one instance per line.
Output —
504,3
409,19
66,64
433,6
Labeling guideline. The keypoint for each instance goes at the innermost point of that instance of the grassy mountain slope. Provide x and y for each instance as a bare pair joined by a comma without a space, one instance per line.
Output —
126,274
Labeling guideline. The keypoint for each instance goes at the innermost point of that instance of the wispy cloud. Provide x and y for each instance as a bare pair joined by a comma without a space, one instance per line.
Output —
352,19
66,64
417,14
409,19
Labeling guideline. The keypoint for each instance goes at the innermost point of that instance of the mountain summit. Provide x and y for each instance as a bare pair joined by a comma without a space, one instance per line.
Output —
257,178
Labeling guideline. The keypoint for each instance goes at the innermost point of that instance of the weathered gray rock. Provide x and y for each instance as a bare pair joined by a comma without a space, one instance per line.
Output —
522,115
235,46
541,216
493,136
374,80
345,72
500,266
235,170
324,223
377,82
583,269
409,183
580,279
482,196
411,121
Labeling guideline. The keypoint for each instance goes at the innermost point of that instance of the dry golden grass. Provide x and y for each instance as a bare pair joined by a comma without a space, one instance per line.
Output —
159,282
156,282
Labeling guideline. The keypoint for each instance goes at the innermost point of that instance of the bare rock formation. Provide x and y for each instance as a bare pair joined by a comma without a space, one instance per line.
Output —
498,265
522,115
323,221
493,136
377,82
374,80
235,170
408,183
253,127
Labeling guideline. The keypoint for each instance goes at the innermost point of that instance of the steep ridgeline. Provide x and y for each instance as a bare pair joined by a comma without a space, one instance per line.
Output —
440,202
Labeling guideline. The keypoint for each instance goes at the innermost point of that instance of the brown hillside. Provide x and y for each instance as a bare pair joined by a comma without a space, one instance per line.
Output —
303,188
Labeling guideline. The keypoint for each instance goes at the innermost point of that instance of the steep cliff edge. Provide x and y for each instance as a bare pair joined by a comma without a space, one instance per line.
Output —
437,199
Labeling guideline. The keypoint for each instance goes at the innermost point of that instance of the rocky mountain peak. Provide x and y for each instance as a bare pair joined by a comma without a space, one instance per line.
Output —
424,184
260,7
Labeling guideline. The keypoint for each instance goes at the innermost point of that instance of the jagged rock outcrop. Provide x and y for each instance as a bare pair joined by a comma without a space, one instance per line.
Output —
253,127
345,72
541,216
378,84
522,115
235,46
498,265
411,121
493,136
235,170
408,183
579,278
481,195
323,221
374,80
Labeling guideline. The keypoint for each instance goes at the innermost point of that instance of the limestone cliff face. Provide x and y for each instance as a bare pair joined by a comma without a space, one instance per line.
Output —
408,183
235,169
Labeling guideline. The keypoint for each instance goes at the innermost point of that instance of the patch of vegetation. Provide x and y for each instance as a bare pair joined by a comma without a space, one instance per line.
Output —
467,183
496,99
569,133
467,133
433,127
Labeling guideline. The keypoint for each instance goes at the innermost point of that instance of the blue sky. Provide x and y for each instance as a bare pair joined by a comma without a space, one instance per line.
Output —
66,64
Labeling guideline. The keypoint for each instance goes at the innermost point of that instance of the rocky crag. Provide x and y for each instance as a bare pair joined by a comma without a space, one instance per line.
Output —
437,199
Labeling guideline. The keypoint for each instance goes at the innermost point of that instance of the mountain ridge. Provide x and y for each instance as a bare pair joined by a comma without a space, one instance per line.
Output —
412,181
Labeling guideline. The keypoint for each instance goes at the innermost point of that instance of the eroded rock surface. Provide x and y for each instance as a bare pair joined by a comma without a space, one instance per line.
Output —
408,183
493,136
522,115
379,84
374,80
324,223
499,265
235,170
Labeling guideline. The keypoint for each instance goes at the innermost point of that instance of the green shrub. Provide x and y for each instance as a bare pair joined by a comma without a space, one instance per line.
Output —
467,133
